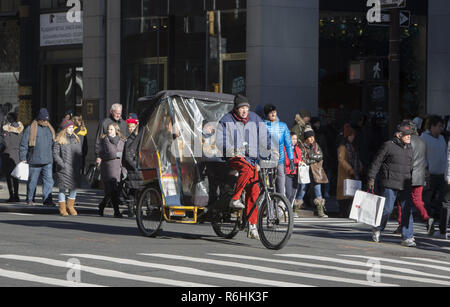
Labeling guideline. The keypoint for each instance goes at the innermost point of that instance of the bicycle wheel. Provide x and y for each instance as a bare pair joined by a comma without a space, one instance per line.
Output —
226,224
275,222
149,212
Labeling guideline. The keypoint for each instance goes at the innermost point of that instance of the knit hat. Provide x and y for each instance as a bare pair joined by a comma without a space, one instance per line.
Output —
43,115
309,132
133,119
348,130
269,108
241,101
65,124
405,129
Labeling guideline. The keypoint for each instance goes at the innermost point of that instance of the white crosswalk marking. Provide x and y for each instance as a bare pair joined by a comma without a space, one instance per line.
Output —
106,273
429,260
265,269
41,280
406,263
191,271
384,267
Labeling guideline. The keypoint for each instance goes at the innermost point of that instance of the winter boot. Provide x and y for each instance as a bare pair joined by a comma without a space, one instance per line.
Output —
70,207
320,204
62,208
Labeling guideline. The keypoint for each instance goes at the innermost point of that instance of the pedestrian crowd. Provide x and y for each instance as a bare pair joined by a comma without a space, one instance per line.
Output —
411,169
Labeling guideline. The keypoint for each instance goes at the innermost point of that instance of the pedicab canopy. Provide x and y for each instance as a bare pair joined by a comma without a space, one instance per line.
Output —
178,140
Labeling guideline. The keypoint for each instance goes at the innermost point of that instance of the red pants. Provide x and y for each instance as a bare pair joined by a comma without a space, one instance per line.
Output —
248,174
416,196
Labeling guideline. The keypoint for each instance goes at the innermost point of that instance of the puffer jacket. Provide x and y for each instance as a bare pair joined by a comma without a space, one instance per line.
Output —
11,138
68,159
394,161
279,132
419,151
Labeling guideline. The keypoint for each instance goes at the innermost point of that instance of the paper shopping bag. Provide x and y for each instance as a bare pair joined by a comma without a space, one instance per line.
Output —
303,174
367,208
21,171
351,186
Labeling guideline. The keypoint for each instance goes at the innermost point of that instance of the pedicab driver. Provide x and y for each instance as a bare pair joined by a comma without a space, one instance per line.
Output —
242,135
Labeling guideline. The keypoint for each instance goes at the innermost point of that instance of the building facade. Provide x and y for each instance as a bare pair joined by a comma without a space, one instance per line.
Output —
319,55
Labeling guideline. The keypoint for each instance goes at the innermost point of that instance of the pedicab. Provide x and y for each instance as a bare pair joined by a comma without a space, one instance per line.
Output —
185,182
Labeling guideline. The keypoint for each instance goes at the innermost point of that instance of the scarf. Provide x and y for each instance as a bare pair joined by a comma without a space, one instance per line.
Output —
34,129
114,140
240,119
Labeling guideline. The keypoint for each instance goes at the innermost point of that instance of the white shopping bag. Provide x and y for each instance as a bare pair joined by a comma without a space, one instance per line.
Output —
21,171
367,208
303,174
351,186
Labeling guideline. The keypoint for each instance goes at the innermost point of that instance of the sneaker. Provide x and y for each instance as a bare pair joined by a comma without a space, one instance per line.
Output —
376,234
409,243
30,203
253,232
237,204
443,236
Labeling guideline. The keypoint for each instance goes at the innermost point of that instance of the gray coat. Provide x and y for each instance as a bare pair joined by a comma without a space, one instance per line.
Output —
111,155
11,138
68,159
419,149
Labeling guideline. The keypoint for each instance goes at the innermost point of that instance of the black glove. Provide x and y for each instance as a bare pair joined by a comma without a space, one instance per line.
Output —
292,166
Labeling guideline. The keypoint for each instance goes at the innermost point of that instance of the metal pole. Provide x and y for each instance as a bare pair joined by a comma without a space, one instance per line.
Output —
394,71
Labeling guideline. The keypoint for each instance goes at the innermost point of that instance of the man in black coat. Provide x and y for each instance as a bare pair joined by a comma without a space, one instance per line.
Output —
394,163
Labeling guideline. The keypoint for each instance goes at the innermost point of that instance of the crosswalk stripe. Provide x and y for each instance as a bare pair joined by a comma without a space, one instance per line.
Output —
384,267
264,269
106,273
191,271
303,264
42,280
441,268
429,260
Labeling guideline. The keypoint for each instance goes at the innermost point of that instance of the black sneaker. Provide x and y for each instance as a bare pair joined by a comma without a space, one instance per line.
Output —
430,227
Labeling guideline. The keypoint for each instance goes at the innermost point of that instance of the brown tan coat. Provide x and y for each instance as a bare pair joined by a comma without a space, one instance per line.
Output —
345,171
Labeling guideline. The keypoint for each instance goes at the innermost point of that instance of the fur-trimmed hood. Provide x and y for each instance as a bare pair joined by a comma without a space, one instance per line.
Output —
299,120
11,129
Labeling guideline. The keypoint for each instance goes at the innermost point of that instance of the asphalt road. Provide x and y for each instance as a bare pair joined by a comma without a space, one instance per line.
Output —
49,250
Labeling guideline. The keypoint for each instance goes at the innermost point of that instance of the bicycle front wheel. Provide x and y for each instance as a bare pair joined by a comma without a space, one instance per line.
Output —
275,222
149,212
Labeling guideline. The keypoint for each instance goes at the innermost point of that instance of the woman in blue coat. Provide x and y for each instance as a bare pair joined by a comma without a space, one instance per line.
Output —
280,134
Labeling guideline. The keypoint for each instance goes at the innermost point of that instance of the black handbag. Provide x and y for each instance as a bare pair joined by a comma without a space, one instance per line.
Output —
94,176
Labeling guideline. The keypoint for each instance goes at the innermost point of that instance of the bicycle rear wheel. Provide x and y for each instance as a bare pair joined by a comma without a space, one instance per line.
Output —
275,222
226,224
149,212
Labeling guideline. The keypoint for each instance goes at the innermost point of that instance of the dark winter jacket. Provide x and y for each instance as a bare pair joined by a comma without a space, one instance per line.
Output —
111,151
394,161
41,154
10,143
68,159
419,150
130,160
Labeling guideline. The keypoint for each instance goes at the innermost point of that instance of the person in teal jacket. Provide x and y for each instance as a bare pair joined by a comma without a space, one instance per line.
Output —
280,133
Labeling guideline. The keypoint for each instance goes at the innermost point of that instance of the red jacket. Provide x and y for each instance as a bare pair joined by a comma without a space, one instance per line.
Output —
298,159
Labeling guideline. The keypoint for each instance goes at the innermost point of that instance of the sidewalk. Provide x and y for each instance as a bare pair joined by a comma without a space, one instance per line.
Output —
87,201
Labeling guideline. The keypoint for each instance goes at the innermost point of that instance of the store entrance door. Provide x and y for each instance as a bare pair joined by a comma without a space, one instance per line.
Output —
63,91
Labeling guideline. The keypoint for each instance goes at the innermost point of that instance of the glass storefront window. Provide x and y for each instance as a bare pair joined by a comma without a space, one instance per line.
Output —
349,46
182,45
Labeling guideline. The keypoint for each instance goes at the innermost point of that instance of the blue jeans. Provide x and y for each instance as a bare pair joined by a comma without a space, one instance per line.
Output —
303,187
62,195
404,198
47,181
